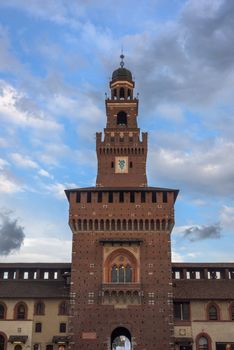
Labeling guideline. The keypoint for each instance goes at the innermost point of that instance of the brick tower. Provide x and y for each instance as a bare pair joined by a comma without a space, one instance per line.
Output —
121,281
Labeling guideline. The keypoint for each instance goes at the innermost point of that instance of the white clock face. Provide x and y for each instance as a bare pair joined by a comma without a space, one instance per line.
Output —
121,165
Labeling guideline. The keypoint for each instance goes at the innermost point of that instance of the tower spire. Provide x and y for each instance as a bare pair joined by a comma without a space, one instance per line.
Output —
122,57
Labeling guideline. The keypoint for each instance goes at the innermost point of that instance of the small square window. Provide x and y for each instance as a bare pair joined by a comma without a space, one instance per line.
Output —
151,295
38,327
37,347
62,328
25,275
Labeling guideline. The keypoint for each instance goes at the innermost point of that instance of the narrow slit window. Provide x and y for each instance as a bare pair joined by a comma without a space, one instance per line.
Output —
121,197
132,197
99,197
164,197
89,197
154,197
110,199
78,197
142,197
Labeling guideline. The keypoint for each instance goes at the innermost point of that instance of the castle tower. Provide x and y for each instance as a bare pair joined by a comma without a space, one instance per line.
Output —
121,281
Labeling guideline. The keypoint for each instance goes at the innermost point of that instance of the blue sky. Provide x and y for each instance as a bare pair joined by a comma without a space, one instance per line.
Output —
56,58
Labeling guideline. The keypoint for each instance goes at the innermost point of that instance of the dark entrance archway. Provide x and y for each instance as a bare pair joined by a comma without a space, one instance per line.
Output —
121,337
2,341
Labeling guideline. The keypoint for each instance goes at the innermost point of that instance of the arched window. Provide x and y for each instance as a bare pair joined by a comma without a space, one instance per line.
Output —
101,224
118,225
79,224
39,308
212,313
63,308
130,225
121,274
163,224
90,225
121,267
20,311
122,118
157,225
135,225
2,341
146,224
2,312
113,224
203,343
85,225
141,225
96,224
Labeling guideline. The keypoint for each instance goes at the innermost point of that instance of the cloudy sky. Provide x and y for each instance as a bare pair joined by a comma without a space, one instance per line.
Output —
56,58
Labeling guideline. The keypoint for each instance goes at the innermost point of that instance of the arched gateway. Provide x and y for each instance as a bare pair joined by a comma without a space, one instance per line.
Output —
121,337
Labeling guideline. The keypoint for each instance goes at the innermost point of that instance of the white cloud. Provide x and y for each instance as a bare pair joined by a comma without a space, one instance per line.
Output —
44,173
54,10
57,189
41,249
227,217
177,257
170,112
80,107
3,163
13,109
204,168
23,161
9,184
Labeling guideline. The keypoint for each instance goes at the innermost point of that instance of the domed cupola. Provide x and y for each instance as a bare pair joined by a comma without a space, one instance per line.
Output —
122,73
122,84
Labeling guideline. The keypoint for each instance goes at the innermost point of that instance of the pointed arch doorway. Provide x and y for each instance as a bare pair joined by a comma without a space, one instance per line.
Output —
121,339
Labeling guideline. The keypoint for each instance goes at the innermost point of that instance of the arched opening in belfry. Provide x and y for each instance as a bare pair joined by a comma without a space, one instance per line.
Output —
121,339
121,93
122,118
